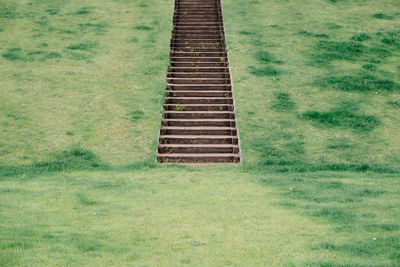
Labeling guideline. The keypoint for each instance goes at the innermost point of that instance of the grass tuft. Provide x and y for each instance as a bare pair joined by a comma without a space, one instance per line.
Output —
244,32
101,27
82,199
8,10
395,103
304,32
361,37
359,83
370,67
264,71
283,102
345,115
391,38
53,11
334,214
333,26
83,11
14,54
142,27
83,46
327,51
382,16
135,115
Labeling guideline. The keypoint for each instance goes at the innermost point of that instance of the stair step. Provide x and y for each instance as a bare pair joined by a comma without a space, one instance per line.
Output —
198,75
198,139
199,59
199,107
197,148
198,64
197,49
175,93
199,158
177,130
200,122
199,100
169,114
199,87
217,54
198,81
223,69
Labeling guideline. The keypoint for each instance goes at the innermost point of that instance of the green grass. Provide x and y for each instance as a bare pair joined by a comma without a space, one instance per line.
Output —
317,103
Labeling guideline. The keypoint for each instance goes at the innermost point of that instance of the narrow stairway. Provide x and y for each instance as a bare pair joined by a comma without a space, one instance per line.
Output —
199,124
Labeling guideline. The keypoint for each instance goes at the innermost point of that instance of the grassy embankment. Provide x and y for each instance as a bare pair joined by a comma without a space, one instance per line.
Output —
316,87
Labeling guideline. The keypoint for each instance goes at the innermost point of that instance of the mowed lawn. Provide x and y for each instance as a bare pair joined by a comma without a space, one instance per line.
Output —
318,106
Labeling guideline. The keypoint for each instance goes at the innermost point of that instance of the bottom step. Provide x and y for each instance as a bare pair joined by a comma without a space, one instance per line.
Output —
199,158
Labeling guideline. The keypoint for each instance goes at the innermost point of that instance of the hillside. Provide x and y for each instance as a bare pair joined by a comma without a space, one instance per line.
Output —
317,98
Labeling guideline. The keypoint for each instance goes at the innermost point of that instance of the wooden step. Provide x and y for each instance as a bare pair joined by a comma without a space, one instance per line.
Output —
200,122
197,148
192,93
198,100
170,114
198,139
199,87
198,81
198,75
199,158
197,130
199,107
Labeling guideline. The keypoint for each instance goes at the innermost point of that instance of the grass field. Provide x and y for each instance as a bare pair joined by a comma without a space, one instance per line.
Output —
317,90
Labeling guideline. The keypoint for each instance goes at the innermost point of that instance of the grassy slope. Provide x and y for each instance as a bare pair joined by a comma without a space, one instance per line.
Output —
291,46
103,91
67,85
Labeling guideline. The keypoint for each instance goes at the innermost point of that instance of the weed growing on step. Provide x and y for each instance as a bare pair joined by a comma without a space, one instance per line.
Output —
180,108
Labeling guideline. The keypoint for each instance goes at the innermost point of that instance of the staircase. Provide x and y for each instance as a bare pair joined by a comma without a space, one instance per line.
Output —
199,124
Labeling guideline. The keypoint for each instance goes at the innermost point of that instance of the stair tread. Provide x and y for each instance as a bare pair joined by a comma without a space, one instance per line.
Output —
197,128
199,105
201,85
193,120
197,136
198,145
197,79
199,112
199,155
